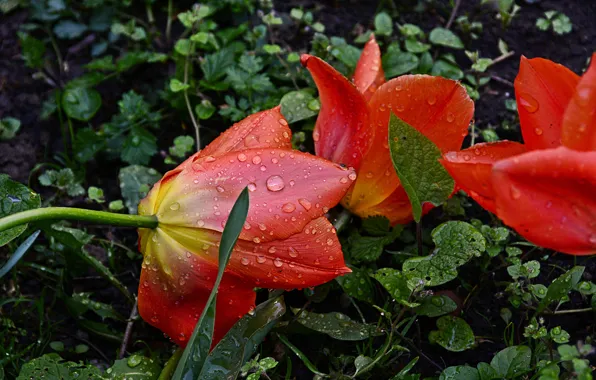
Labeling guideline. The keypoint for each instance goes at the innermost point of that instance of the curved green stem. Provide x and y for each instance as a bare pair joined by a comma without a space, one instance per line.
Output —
71,213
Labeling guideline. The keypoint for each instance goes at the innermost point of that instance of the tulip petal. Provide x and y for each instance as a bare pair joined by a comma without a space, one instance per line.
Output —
548,197
265,129
439,108
288,189
175,285
579,119
369,74
341,133
542,91
472,168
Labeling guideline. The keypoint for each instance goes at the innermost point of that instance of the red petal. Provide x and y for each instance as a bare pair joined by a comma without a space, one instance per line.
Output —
579,119
175,285
288,189
309,258
548,197
439,108
472,168
265,129
369,74
341,133
542,90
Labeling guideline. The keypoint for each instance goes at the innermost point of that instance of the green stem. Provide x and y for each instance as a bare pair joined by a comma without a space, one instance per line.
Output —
170,367
71,213
342,219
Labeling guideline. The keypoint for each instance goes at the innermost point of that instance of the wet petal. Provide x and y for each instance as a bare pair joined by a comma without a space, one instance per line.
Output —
308,258
542,91
472,168
175,284
288,189
439,108
548,197
341,133
579,119
369,74
265,129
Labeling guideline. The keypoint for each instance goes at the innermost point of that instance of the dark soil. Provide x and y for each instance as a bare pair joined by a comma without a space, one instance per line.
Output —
21,97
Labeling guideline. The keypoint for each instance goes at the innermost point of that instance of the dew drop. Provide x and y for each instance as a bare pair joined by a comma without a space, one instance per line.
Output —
244,261
283,122
252,187
220,189
275,183
292,252
278,263
241,157
515,193
343,180
528,102
272,250
450,117
175,206
305,203
538,131
316,136
256,160
329,241
352,176
261,259
432,100
288,207
209,159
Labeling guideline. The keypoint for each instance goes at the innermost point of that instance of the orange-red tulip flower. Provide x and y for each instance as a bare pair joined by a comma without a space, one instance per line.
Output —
286,241
352,126
546,188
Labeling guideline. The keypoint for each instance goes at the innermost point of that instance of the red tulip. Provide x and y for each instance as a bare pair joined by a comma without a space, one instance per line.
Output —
352,126
286,242
543,189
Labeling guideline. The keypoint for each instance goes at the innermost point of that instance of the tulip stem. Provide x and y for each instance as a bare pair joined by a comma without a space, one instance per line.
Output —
342,219
71,213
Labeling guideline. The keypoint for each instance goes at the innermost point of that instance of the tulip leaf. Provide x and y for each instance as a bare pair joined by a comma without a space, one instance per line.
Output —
299,105
135,367
135,182
19,253
436,305
416,161
195,354
454,334
240,343
337,325
460,372
14,198
561,286
456,243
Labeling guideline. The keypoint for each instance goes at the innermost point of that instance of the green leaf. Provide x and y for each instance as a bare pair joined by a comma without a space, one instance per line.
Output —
79,303
460,372
294,106
416,161
9,127
447,70
184,47
105,63
81,103
95,194
561,287
135,367
383,24
182,146
366,248
69,30
64,180
396,284
33,50
456,244
454,334
543,24
445,37
346,54
487,372
87,144
195,354
19,253
135,182
53,367
415,46
512,362
177,86
311,367
337,325
14,198
140,145
240,343
436,305
214,65
397,62
562,24
361,362
205,109
357,284
376,225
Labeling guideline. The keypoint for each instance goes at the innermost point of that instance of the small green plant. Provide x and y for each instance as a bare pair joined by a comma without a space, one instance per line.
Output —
557,21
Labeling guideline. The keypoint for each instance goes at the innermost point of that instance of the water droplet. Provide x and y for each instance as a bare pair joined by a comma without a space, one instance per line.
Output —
450,117
592,239
252,187
175,206
241,157
220,189
288,207
272,250
528,102
209,159
278,263
256,160
515,193
244,261
538,131
261,259
369,175
292,252
283,122
316,136
305,203
431,100
134,361
343,180
275,183
329,241
467,157
352,176
262,227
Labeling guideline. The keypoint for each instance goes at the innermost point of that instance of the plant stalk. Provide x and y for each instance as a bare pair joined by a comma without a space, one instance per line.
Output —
71,213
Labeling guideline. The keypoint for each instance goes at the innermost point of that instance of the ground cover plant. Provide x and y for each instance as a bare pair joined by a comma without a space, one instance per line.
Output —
297,189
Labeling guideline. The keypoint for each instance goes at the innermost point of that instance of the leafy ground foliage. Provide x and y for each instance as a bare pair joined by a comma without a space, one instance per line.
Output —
120,89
